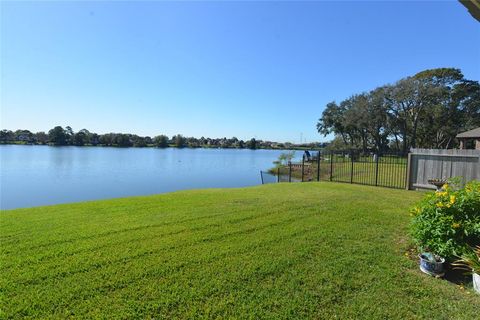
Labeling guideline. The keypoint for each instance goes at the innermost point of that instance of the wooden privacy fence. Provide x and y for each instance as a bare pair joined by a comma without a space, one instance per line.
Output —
425,164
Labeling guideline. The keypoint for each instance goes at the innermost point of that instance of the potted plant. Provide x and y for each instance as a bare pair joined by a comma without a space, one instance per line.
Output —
432,264
471,263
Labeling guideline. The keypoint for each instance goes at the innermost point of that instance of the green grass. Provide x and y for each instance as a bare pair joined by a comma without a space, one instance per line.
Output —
311,250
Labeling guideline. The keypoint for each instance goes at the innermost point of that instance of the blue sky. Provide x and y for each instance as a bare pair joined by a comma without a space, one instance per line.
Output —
244,69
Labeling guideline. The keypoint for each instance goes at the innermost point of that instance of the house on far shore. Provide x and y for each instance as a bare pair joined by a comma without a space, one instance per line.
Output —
470,139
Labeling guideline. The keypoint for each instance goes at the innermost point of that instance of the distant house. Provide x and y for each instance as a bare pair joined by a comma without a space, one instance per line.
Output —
470,139
23,137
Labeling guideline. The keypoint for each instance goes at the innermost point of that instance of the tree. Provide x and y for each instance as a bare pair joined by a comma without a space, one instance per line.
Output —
69,135
81,137
41,137
453,106
57,136
374,118
94,139
336,144
7,136
139,141
122,140
107,139
252,144
284,158
192,142
160,141
425,110
332,121
179,141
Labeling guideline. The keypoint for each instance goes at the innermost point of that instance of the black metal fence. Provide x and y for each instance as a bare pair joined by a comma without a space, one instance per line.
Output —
268,177
385,169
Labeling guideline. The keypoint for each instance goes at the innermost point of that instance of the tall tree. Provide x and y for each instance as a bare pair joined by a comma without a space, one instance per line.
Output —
179,141
425,110
332,121
57,136
7,136
160,141
69,135
252,143
81,137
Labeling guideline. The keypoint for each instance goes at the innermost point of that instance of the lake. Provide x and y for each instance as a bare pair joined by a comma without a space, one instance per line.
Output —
43,175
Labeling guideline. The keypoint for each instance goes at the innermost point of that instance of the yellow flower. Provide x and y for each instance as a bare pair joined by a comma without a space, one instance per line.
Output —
441,193
415,211
452,199
440,205
456,225
445,186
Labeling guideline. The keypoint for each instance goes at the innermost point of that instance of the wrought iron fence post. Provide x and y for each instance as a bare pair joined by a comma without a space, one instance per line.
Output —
351,168
278,174
318,166
261,175
303,166
408,172
376,168
289,171
331,165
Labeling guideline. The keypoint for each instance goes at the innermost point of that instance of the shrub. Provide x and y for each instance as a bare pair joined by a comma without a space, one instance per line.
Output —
284,158
447,222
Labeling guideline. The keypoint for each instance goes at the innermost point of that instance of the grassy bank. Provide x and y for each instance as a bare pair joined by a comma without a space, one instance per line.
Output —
312,250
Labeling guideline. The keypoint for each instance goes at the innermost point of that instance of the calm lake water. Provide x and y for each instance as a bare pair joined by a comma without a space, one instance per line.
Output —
42,175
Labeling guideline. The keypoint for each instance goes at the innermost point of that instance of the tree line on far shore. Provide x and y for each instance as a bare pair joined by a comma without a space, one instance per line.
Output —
60,136
426,110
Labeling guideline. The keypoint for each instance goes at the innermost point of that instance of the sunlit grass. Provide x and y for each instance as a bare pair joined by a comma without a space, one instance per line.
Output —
311,250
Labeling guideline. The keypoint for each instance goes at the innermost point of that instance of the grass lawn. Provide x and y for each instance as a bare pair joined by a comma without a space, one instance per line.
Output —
293,250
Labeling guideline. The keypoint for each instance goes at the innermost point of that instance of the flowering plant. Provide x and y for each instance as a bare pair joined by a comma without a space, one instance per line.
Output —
447,222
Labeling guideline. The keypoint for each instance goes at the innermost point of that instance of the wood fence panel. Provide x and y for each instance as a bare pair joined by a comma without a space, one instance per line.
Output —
428,164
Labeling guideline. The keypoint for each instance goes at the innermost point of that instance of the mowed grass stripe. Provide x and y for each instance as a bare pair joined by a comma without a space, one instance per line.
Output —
91,244
159,265
311,250
160,209
190,237
184,270
140,250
